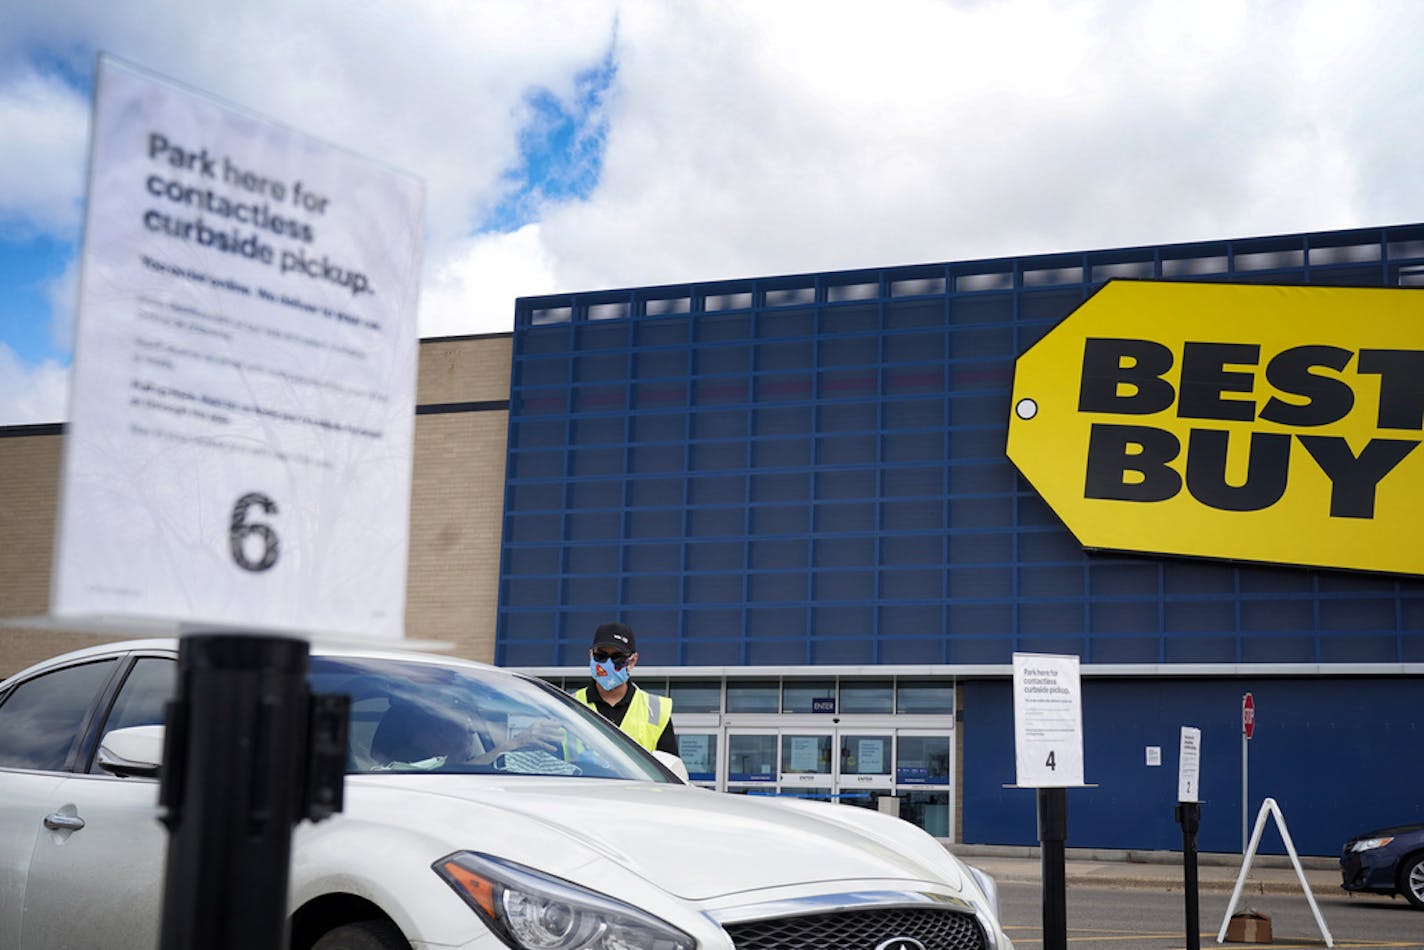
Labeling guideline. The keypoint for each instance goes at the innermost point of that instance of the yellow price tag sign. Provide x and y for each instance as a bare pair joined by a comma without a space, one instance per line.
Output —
1259,423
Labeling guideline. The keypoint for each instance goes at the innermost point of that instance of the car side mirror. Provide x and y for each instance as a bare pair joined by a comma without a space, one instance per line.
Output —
673,764
135,752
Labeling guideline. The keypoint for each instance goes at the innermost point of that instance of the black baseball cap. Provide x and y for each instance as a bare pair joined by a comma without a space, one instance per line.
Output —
615,637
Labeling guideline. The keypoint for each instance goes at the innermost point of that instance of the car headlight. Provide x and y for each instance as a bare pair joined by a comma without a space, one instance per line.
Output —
531,910
1369,844
989,886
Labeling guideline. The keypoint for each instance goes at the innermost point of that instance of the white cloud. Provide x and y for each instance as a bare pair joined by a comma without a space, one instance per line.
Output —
42,154
435,88
474,289
750,138
32,394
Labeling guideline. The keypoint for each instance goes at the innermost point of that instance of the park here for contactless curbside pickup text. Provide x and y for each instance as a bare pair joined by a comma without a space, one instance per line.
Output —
244,210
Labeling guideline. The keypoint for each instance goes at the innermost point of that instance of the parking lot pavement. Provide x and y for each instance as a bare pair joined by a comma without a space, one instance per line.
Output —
1269,874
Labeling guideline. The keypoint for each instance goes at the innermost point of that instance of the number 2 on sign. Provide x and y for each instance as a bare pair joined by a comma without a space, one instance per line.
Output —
1050,763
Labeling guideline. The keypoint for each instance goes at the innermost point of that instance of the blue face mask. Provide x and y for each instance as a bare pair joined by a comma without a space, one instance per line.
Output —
606,675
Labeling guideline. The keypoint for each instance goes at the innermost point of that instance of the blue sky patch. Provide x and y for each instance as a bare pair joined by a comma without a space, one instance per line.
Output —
27,269
560,149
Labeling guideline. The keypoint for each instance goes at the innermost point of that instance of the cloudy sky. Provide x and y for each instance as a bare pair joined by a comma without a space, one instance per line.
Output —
606,143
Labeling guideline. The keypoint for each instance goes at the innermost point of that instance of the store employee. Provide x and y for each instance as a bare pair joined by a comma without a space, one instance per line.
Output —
645,716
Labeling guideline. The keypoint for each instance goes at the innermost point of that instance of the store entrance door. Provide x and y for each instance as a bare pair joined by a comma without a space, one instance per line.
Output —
752,756
856,764
924,763
806,765
865,761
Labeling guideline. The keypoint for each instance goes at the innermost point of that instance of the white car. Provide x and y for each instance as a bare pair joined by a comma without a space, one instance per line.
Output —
535,824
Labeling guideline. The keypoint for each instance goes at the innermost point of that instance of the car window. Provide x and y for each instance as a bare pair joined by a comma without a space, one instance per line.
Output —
42,718
426,717
141,700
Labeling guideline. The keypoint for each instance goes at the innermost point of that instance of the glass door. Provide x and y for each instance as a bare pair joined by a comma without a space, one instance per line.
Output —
752,761
699,744
863,773
857,764
698,751
807,768
924,762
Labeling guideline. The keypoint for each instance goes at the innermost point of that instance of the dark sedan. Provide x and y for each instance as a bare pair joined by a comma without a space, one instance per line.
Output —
1388,861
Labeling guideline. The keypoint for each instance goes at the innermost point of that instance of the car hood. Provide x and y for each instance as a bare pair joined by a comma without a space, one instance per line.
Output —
691,842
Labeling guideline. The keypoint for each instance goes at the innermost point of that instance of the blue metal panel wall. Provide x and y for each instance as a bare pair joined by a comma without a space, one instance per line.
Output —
811,470
1340,756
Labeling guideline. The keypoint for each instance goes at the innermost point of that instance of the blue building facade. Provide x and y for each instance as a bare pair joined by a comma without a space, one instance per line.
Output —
806,474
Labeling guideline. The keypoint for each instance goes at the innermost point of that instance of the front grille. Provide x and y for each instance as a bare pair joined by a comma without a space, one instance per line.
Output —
934,928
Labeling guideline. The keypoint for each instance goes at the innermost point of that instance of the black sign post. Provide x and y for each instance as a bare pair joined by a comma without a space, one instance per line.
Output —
1052,839
1189,817
248,753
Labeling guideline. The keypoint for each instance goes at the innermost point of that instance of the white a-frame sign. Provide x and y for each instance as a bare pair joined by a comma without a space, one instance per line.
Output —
1269,807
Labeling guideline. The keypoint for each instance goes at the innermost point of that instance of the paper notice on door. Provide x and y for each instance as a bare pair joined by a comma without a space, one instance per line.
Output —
694,751
804,753
870,755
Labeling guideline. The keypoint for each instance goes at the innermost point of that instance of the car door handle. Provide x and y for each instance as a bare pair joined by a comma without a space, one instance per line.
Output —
58,822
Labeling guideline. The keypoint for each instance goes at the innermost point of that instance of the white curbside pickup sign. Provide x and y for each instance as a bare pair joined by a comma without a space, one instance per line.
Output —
242,407
1048,721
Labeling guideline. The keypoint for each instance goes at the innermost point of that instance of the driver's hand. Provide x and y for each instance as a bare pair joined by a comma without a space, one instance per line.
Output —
544,734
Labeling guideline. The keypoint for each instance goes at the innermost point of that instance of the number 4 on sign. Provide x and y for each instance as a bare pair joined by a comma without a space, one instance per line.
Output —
1049,762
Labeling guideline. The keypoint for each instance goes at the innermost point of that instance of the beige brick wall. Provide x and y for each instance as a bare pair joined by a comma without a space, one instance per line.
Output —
29,489
464,369
457,502
457,495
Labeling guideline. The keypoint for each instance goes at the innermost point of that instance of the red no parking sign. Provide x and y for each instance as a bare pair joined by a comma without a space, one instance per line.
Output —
1248,715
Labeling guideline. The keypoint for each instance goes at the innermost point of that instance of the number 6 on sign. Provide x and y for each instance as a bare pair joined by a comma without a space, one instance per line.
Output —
242,530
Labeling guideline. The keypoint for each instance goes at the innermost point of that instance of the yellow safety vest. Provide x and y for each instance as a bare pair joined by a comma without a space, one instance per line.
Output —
647,716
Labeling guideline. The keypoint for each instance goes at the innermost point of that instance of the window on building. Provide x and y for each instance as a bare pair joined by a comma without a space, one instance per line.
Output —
754,696
928,810
923,760
802,754
925,697
698,752
751,758
799,696
865,755
867,696
696,696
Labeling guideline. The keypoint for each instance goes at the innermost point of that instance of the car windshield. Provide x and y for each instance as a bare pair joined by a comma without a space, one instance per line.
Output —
412,716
